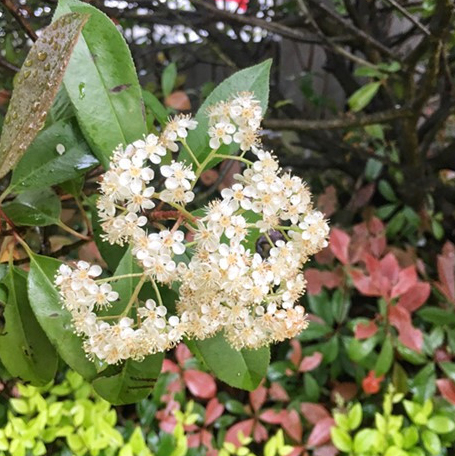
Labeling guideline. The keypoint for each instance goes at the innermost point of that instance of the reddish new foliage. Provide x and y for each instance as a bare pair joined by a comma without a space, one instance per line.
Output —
372,384
447,389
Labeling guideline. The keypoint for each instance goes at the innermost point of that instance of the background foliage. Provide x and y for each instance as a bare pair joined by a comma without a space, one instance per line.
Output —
361,106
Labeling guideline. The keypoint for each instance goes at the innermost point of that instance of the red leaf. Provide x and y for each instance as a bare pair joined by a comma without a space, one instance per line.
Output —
365,330
296,352
339,244
326,450
200,383
372,384
293,425
313,412
407,278
178,100
407,334
310,362
182,353
327,202
389,268
277,392
347,390
246,427
213,411
169,366
260,433
364,284
415,297
316,279
258,397
272,416
447,389
446,273
321,432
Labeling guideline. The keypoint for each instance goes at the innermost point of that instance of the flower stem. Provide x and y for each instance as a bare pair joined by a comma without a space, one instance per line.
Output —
157,291
183,211
124,276
73,232
188,148
134,296
233,157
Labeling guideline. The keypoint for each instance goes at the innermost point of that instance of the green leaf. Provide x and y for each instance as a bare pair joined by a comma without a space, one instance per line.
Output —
241,369
34,208
42,166
36,86
25,350
449,369
56,321
362,97
436,315
365,440
311,387
254,79
424,383
385,358
129,382
358,350
355,417
341,439
315,331
410,436
441,424
431,442
153,105
399,379
368,72
102,84
386,191
168,78
321,305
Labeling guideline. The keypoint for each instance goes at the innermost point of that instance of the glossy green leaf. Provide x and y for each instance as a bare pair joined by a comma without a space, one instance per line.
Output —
25,350
358,350
155,107
441,424
365,440
42,166
254,79
363,96
449,369
385,358
431,442
129,382
341,439
423,384
34,208
36,86
242,369
168,78
56,321
436,315
102,84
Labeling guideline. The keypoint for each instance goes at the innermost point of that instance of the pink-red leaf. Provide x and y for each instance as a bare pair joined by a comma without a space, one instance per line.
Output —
260,433
245,427
407,334
278,393
339,244
321,432
415,297
365,330
258,397
314,412
293,425
316,279
182,353
272,416
446,273
296,352
407,278
310,362
200,383
213,411
326,450
447,389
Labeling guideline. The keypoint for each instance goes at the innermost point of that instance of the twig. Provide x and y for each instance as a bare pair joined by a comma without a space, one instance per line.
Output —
408,16
14,10
357,120
9,66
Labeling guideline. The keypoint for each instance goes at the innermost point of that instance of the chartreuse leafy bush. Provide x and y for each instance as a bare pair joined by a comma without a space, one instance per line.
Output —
422,431
225,278
68,418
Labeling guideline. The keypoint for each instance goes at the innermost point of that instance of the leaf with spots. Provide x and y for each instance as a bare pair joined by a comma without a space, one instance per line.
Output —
36,86
25,350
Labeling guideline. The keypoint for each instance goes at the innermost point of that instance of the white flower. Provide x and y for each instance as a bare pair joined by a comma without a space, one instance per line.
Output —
177,175
141,201
236,197
152,147
220,133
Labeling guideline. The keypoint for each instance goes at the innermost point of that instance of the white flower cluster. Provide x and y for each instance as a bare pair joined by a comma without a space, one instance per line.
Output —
247,250
235,120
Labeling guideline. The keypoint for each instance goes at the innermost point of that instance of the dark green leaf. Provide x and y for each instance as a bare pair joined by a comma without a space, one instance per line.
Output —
321,306
341,303
102,84
242,369
363,96
385,358
311,387
386,191
399,379
254,79
436,315
449,369
25,350
34,208
314,331
42,166
129,382
330,349
56,321
358,350
36,86
423,384
154,105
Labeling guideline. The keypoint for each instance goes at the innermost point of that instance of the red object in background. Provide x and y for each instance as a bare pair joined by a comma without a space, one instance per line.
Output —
239,6
372,384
